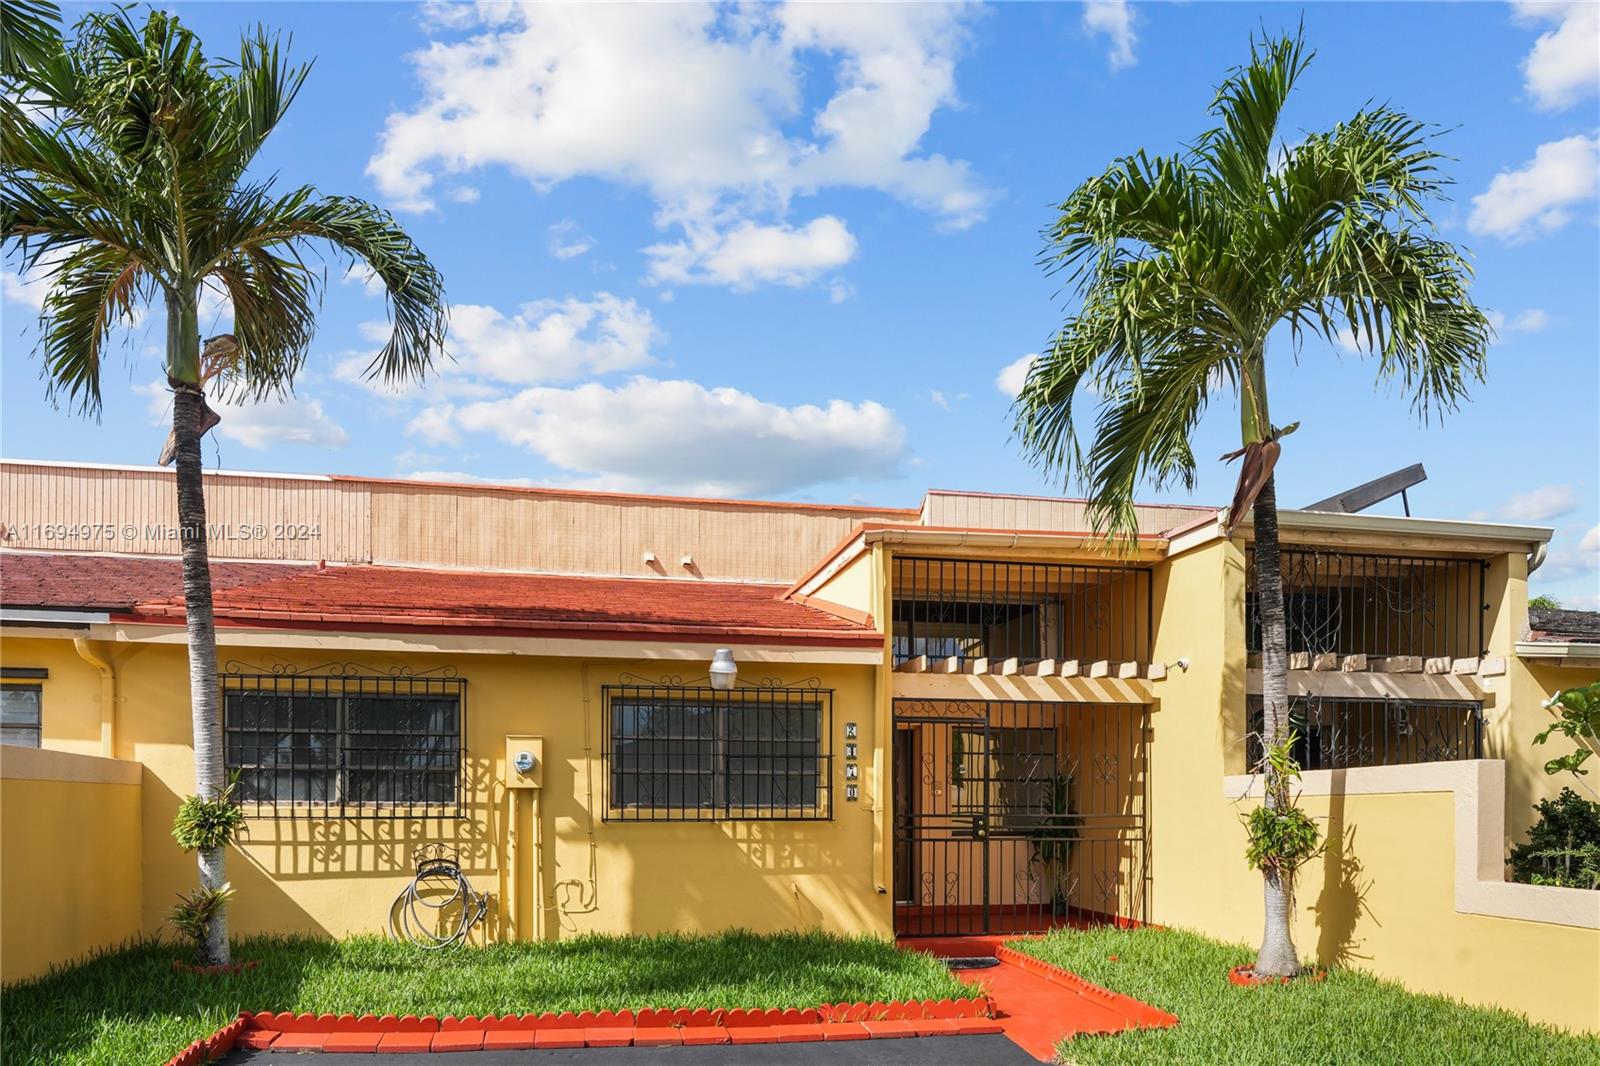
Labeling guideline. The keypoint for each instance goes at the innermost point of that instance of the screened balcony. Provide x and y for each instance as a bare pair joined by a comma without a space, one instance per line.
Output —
970,610
1341,734
1346,603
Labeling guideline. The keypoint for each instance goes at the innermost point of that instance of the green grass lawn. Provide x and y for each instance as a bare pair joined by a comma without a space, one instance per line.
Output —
129,1007
1349,1018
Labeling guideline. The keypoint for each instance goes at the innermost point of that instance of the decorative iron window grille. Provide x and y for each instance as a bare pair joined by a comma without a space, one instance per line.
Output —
1340,734
1348,603
345,741
968,609
678,753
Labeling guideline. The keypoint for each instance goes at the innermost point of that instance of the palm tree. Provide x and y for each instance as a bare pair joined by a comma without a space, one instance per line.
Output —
1186,264
130,185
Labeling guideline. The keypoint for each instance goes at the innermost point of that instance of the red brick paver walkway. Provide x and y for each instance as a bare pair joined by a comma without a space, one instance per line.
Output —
1038,1005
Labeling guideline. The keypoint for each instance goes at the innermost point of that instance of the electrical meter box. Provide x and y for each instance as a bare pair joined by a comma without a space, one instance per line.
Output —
524,761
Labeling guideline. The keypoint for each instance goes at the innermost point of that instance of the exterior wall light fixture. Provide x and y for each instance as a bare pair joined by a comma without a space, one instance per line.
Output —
723,670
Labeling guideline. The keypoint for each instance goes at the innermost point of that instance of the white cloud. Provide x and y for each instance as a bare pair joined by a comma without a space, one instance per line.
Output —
1540,504
679,436
1013,376
551,340
1564,65
1591,541
464,194
1540,196
433,424
1114,19
748,254
469,479
28,291
701,105
358,273
258,424
1532,320
567,241
840,290
939,400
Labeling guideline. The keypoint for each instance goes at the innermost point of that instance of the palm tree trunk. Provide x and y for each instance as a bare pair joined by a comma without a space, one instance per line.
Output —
1277,957
188,410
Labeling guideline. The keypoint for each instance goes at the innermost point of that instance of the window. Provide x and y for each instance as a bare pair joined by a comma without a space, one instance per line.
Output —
693,754
20,715
345,745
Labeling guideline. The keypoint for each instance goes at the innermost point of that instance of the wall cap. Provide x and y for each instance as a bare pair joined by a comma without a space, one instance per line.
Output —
45,764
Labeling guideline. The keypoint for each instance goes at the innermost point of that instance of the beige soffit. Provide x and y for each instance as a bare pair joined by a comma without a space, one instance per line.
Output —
1479,789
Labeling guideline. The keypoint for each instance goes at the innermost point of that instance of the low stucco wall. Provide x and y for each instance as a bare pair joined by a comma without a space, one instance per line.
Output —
1411,887
70,870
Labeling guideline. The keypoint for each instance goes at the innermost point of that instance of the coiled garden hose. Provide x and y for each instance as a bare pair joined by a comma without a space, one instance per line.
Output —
437,908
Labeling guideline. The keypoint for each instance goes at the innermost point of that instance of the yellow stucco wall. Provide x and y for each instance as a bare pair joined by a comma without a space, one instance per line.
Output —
58,902
1382,898
338,877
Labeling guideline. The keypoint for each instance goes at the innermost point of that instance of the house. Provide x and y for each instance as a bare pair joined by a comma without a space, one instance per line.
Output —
969,717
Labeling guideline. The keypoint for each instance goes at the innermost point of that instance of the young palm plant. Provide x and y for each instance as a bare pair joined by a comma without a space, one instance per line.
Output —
1186,264
129,185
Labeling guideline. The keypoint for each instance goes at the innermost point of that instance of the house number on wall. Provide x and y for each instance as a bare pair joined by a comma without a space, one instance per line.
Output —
852,792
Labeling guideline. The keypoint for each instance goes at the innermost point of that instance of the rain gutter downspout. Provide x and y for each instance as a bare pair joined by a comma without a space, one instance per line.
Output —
108,694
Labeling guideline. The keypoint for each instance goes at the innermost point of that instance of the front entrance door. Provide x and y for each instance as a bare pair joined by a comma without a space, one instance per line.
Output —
1014,817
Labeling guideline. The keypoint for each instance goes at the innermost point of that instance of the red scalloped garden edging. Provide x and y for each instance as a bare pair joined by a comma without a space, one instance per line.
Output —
661,1026
1140,1015
1244,978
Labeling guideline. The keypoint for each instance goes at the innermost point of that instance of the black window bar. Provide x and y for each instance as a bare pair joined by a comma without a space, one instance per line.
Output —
679,753
1349,603
969,609
1341,734
343,741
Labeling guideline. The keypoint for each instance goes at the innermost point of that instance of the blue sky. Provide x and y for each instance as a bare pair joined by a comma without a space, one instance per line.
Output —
790,252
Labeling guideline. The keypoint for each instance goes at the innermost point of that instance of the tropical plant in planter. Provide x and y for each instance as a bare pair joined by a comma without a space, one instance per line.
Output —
1048,842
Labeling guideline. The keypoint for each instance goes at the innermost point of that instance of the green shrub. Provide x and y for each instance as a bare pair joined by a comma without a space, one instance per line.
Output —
204,825
193,912
1563,847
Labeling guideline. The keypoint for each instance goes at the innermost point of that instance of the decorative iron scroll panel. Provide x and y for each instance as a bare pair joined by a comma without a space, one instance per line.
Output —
1348,603
970,609
1015,817
346,741
677,753
1342,734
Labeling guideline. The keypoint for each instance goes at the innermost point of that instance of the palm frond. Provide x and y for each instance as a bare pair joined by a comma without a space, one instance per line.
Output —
90,291
354,229
1238,153
30,33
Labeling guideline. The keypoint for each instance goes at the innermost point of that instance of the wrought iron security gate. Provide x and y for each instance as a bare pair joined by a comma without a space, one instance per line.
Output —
1015,817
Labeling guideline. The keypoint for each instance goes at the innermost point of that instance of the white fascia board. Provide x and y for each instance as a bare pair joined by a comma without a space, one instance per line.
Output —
1557,649
1335,522
31,616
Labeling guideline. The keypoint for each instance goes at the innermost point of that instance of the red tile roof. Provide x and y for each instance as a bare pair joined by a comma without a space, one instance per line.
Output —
383,597
71,581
